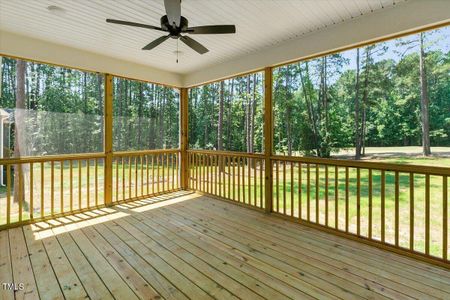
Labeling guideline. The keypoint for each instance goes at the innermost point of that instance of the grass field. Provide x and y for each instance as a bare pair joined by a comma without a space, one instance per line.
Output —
292,194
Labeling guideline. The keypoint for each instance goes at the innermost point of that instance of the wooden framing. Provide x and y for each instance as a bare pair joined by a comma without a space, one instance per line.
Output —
108,137
268,137
184,143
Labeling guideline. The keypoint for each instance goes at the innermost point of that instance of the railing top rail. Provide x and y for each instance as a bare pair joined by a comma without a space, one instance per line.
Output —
227,153
417,169
49,158
144,152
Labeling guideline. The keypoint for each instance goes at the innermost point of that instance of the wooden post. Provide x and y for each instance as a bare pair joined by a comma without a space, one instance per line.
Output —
184,173
108,136
268,128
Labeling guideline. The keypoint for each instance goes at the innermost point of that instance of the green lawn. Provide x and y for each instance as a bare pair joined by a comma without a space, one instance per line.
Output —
129,181
291,193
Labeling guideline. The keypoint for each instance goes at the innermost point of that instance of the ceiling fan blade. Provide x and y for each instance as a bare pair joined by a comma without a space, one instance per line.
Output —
120,22
211,29
156,42
194,44
173,11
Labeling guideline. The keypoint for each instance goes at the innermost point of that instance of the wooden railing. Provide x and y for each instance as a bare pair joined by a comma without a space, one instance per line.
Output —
145,173
37,188
235,176
400,206
40,188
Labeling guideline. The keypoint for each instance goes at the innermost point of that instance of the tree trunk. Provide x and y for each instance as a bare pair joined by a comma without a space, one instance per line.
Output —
357,121
18,122
362,134
230,102
424,101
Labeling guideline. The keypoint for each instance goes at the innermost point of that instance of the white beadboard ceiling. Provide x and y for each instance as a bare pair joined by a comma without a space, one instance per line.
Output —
260,24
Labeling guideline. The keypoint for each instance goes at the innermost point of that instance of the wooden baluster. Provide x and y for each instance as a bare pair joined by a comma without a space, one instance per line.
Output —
326,195
444,218
79,184
299,190
147,175
397,201
88,192
141,160
52,188
153,174
117,179
383,191
336,197
308,192
249,180
173,170
317,192
243,180
277,184
157,173
31,191
61,180
167,179
129,178
234,175
178,170
216,165
136,180
292,189
358,201
21,189
196,171
427,214
204,175
220,170
208,171
71,184
261,189
123,178
284,187
346,199
96,181
411,211
254,183
229,175
8,194
42,191
370,203
239,178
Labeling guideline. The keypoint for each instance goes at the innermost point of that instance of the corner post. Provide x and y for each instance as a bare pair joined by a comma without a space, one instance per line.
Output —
108,137
184,100
268,136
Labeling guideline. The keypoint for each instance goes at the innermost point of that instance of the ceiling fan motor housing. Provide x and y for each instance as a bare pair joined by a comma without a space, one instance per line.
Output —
174,30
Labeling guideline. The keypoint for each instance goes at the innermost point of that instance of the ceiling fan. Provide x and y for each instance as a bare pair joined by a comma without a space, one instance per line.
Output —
175,25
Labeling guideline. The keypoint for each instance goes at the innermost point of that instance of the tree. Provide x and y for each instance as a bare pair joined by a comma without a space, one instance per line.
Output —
424,102
20,107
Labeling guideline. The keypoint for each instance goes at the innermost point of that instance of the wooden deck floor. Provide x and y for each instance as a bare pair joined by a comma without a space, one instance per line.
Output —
185,245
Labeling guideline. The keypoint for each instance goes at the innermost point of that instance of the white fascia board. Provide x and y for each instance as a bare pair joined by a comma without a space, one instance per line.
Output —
404,17
34,49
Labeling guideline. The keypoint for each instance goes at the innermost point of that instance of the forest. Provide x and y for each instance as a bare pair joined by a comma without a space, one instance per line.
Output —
395,93
57,110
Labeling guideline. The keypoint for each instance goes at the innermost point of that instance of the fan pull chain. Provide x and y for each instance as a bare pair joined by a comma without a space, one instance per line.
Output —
177,51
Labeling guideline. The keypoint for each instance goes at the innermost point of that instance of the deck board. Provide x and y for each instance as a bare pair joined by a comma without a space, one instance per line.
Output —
185,245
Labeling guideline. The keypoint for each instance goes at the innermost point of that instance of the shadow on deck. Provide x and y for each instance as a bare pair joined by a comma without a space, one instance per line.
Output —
184,245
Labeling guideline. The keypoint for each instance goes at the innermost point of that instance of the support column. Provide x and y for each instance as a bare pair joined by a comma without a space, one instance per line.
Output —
268,136
184,100
108,137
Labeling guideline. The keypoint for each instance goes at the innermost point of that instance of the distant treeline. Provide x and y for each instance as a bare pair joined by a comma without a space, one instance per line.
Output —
395,93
